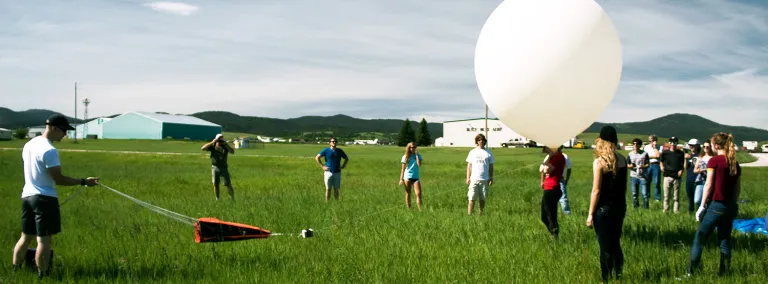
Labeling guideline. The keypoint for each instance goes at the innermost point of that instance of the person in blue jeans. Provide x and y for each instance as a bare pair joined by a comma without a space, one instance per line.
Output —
691,159
332,167
638,175
700,169
723,186
654,170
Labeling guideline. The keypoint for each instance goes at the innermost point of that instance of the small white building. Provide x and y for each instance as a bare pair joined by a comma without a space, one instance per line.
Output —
461,133
35,131
6,134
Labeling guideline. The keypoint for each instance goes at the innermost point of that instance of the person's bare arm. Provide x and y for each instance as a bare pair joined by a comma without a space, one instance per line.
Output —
469,171
60,179
207,145
595,195
317,158
402,173
490,174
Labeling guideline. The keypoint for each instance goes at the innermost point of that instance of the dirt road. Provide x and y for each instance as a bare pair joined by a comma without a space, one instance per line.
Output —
762,160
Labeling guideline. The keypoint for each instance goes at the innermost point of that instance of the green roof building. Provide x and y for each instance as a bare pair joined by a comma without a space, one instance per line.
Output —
156,126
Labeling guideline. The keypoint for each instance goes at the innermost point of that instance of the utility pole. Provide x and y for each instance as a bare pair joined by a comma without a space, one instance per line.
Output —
75,120
486,123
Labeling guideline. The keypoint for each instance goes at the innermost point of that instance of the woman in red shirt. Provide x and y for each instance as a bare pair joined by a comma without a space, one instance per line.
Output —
722,188
552,170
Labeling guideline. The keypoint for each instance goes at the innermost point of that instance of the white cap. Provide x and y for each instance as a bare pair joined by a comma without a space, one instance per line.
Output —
218,136
693,141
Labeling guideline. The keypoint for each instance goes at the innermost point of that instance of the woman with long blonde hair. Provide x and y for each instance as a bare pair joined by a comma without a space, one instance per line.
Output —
723,188
409,173
607,205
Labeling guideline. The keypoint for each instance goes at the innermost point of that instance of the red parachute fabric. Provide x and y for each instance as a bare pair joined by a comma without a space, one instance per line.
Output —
215,230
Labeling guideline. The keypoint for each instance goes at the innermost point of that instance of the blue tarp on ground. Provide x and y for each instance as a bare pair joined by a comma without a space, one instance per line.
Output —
756,225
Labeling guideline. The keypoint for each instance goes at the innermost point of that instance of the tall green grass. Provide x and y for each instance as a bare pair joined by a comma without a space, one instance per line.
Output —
367,236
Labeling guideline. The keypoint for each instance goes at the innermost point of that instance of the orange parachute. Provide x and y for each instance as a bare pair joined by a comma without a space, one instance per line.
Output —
215,230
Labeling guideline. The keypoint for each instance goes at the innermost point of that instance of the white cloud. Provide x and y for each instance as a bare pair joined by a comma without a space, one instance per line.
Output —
369,59
177,8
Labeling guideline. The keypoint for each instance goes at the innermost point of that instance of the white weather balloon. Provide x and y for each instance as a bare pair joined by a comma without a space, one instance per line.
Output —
548,68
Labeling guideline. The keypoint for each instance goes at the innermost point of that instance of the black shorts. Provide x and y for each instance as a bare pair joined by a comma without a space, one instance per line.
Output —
413,180
40,215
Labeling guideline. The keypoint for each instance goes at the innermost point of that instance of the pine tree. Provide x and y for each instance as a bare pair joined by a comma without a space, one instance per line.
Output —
423,138
407,134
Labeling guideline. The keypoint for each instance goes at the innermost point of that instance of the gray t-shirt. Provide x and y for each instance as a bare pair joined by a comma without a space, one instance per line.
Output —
638,159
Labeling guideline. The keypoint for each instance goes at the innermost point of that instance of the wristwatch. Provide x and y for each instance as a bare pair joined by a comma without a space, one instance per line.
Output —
82,181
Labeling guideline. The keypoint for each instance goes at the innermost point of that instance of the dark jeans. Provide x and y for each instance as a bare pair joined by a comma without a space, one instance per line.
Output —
607,222
690,190
654,176
718,216
639,186
549,210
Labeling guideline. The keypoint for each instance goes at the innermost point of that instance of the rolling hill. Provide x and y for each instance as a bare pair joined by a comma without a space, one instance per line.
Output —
685,126
33,117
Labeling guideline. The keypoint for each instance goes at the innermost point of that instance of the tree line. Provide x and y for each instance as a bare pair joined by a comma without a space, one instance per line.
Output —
420,137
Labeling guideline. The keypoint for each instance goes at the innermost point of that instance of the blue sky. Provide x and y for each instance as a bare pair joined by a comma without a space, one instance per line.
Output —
369,59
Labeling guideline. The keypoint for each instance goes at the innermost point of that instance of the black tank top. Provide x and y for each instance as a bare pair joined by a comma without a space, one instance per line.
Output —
613,189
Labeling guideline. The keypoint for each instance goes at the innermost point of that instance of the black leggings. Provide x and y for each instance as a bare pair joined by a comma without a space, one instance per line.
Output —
690,191
607,222
549,210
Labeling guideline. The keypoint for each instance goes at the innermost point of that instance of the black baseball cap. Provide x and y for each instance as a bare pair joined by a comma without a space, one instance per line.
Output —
59,121
673,139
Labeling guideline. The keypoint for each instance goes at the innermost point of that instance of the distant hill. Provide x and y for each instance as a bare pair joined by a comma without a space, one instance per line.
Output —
685,126
33,117
340,125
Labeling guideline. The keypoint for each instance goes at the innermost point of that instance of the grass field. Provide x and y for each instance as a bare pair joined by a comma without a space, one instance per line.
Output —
367,236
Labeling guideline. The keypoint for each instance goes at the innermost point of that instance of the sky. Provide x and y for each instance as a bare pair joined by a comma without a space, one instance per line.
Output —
365,58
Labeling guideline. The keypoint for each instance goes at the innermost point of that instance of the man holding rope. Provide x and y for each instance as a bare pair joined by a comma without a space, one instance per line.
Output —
39,202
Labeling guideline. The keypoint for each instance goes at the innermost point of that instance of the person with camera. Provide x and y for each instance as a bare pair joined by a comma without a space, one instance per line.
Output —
219,151
40,214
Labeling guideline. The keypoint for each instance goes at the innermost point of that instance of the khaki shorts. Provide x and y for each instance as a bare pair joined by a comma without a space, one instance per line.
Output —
332,180
478,189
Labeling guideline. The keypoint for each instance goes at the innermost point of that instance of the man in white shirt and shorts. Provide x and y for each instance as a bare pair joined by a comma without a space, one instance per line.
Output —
479,174
39,202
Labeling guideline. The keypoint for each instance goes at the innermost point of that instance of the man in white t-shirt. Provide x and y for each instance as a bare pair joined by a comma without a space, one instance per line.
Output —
39,202
564,204
479,174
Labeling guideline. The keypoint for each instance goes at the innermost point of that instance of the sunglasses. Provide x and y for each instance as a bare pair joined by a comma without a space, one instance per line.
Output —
333,141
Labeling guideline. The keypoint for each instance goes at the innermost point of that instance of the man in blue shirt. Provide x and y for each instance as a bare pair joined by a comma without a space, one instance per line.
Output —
332,168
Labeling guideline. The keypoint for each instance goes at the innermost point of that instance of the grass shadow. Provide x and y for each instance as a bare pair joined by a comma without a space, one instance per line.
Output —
678,237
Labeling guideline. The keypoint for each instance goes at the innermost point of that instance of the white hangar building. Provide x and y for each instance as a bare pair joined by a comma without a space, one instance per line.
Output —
461,133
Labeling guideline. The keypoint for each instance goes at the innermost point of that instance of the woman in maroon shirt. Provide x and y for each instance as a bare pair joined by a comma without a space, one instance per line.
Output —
722,188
